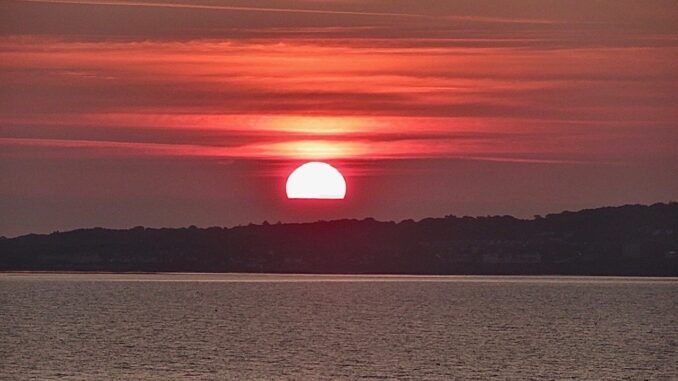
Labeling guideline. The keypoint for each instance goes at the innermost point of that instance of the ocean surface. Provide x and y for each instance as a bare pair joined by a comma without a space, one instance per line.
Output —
217,327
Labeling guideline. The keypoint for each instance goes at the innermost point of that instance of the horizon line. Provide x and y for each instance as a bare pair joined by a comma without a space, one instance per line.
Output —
355,219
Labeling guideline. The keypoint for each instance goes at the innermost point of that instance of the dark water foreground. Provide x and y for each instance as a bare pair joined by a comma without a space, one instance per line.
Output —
189,326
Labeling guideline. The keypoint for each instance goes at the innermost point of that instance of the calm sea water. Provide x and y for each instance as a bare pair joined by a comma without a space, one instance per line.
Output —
215,327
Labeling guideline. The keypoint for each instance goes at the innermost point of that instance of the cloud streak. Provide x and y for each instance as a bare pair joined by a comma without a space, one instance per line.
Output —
194,6
307,149
174,5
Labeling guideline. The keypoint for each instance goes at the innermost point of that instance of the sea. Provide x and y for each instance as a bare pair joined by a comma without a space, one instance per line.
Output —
336,327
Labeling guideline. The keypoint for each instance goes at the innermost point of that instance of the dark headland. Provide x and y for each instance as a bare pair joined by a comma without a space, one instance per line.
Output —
625,240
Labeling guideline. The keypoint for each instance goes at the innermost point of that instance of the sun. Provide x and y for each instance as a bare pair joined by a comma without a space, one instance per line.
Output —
316,180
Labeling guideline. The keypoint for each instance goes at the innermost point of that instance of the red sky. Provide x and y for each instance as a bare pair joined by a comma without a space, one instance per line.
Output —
171,113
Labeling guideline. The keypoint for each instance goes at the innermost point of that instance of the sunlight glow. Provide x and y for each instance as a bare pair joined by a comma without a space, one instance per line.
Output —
316,149
316,180
315,125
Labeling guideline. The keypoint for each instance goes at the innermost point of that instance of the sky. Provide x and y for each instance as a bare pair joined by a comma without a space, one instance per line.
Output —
176,113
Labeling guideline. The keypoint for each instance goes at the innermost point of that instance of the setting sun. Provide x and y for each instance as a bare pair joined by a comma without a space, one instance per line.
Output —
316,180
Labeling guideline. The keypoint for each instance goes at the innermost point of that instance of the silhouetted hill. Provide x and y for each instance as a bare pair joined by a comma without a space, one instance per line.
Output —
626,240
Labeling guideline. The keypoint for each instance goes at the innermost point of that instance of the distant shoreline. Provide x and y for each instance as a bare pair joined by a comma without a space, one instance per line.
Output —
632,240
350,277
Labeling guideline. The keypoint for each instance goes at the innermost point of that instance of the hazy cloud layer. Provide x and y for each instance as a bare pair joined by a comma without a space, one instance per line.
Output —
517,85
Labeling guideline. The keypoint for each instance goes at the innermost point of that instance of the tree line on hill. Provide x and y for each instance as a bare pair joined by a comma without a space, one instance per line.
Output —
626,240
